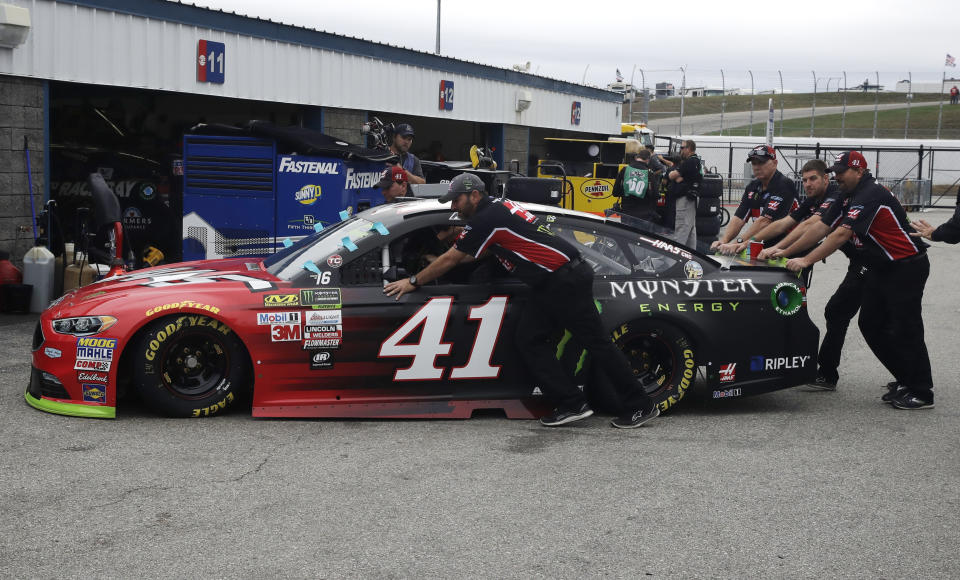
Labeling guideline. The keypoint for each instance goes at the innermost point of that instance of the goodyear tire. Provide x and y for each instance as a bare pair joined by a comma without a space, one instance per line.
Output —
190,365
663,352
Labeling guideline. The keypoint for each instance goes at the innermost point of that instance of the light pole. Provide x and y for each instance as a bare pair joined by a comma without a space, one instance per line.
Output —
906,125
752,95
813,111
633,93
843,112
683,92
723,103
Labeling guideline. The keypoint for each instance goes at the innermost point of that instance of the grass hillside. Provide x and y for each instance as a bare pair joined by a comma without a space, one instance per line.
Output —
710,105
890,124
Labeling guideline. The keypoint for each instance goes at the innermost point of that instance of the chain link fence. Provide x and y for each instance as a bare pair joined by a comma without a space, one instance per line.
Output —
919,176
823,104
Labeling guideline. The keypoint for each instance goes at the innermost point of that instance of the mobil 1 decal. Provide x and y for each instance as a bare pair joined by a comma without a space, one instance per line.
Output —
427,327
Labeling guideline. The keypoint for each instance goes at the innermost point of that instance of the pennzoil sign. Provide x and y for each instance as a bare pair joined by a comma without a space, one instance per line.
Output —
596,188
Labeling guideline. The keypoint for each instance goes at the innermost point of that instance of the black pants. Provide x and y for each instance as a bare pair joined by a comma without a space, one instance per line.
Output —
892,323
565,301
840,310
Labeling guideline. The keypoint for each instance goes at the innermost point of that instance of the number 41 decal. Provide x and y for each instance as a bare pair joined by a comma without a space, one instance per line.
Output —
433,318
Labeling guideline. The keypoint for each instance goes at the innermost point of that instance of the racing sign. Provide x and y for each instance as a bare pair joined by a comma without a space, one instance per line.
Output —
446,95
575,113
210,57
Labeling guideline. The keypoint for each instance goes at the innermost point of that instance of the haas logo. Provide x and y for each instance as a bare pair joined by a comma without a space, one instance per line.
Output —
728,373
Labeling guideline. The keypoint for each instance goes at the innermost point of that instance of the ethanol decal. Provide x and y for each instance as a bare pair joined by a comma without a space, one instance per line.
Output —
308,194
596,188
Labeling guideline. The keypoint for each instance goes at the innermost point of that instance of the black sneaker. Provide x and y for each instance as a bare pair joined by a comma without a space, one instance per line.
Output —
636,419
822,384
561,417
894,390
911,402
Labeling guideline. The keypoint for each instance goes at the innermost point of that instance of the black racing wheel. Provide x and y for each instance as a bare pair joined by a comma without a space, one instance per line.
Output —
190,366
662,358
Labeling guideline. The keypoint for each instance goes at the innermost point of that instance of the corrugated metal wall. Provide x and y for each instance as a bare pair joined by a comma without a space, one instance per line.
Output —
69,42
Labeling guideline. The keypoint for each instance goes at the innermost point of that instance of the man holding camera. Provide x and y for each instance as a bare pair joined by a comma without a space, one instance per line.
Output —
401,139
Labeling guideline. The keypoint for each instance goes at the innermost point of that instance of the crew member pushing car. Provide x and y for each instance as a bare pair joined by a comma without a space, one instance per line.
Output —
897,269
562,298
769,197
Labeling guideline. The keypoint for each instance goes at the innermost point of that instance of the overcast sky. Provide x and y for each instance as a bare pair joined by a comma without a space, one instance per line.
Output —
589,40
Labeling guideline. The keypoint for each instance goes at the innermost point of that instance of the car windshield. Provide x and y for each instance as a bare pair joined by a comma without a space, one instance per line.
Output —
288,262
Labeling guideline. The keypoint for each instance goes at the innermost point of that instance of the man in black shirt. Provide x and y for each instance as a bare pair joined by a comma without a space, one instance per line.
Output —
562,298
634,188
948,231
788,229
897,269
684,187
769,197
828,212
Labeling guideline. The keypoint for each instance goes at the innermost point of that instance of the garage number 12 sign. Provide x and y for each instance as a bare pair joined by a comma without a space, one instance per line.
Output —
210,57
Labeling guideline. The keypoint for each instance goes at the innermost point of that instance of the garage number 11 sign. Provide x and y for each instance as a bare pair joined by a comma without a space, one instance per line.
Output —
210,57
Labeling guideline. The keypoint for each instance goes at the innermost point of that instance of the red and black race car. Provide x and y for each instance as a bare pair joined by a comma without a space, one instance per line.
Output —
308,332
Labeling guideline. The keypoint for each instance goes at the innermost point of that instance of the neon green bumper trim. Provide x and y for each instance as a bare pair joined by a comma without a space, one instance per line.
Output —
71,409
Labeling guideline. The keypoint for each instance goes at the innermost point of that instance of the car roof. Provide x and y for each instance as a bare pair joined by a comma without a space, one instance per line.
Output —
407,208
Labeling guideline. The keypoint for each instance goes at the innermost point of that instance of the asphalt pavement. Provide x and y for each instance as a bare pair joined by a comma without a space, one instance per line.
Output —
792,484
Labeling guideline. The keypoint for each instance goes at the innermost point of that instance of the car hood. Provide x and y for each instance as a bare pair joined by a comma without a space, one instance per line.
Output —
183,281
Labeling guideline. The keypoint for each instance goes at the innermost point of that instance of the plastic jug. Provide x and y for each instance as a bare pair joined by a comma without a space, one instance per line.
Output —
38,266
80,273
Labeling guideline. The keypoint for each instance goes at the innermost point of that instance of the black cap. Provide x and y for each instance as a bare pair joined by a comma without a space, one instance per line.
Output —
403,129
463,183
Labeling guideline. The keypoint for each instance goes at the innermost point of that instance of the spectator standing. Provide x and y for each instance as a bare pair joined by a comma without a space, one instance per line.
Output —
634,187
684,187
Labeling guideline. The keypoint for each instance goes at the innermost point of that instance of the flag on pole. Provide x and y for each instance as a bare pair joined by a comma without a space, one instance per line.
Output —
951,61
620,76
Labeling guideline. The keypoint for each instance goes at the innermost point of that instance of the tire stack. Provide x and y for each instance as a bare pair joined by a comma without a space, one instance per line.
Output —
708,209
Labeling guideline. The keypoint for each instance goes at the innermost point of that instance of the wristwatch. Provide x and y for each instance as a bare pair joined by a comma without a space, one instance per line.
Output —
413,281
739,240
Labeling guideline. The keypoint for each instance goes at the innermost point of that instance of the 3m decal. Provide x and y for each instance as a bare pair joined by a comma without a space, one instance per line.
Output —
285,333
94,393
274,300
432,320
728,373
183,304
